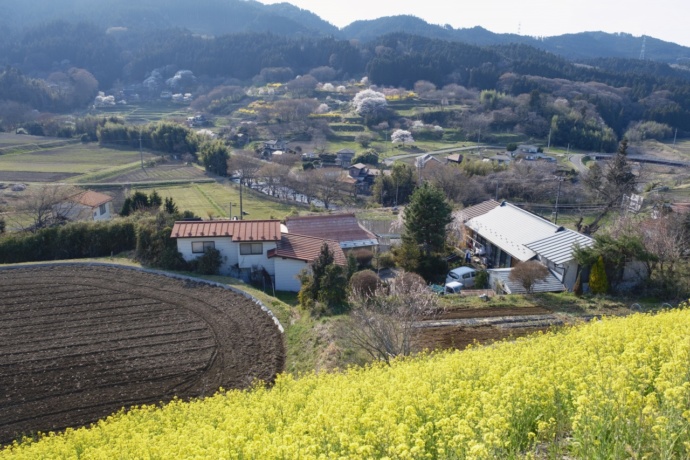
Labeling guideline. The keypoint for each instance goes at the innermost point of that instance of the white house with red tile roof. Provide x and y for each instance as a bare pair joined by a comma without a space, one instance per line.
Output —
253,247
90,205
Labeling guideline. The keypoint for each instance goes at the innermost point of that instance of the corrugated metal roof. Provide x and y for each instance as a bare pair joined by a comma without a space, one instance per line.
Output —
511,228
550,284
558,248
306,248
239,230
477,210
343,228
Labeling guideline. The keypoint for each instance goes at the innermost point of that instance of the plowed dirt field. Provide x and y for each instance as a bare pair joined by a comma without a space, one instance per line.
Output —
78,343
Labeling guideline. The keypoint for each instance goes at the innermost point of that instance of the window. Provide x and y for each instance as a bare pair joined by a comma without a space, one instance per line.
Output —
247,249
101,209
199,247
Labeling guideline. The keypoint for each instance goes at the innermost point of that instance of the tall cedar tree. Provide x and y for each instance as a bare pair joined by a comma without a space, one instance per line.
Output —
426,218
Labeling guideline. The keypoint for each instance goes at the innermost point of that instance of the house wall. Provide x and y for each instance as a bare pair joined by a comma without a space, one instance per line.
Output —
107,215
259,260
227,248
286,271
230,252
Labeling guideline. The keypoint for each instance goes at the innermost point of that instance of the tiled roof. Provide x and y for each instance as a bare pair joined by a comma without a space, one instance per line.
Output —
456,158
558,248
239,230
306,248
549,284
477,210
343,228
91,199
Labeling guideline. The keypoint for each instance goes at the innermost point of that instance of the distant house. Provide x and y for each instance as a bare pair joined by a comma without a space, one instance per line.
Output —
344,157
89,205
271,146
501,158
455,158
423,160
342,228
527,149
364,175
252,249
539,157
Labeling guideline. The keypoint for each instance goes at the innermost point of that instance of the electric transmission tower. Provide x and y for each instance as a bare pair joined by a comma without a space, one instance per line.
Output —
642,51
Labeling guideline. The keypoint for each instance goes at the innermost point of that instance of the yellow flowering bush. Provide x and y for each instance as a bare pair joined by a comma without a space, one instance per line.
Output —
615,388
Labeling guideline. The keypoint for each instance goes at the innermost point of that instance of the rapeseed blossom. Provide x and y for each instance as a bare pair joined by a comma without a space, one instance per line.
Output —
615,388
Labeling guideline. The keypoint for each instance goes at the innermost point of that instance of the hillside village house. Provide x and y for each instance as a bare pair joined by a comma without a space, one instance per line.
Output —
343,157
364,175
87,205
253,248
502,235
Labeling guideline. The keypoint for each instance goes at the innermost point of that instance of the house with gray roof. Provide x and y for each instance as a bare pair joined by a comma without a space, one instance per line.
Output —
504,235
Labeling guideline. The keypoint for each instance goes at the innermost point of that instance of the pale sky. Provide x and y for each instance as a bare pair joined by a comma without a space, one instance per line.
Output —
663,19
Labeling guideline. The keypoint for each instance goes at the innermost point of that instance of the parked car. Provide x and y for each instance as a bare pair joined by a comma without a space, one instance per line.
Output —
464,275
453,287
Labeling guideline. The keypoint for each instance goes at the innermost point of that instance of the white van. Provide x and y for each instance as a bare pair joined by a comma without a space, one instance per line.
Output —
453,287
464,275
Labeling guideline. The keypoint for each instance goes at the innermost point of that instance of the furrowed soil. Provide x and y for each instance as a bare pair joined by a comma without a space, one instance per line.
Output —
461,328
78,343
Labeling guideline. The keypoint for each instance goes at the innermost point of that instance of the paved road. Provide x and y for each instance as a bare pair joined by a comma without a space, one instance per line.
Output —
576,160
390,160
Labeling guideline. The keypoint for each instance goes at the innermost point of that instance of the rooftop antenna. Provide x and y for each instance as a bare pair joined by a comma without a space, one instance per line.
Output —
644,44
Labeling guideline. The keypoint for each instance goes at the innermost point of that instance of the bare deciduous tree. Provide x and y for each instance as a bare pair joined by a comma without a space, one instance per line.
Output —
48,205
384,323
245,165
528,273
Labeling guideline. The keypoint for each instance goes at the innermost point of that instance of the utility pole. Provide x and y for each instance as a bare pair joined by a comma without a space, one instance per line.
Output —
141,154
241,207
548,144
558,195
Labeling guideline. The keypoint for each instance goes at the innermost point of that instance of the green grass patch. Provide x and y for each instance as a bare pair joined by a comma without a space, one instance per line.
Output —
73,158
213,199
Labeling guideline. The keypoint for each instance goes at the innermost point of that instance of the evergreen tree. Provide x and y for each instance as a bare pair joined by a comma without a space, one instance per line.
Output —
598,282
324,290
426,218
155,200
170,207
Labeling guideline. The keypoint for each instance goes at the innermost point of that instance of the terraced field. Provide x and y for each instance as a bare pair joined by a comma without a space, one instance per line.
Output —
80,342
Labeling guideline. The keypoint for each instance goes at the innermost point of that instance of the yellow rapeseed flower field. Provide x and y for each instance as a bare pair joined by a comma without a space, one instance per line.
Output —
615,388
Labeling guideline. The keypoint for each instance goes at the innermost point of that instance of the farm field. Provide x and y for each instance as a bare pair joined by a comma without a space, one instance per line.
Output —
145,113
44,165
81,341
174,171
615,388
213,199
